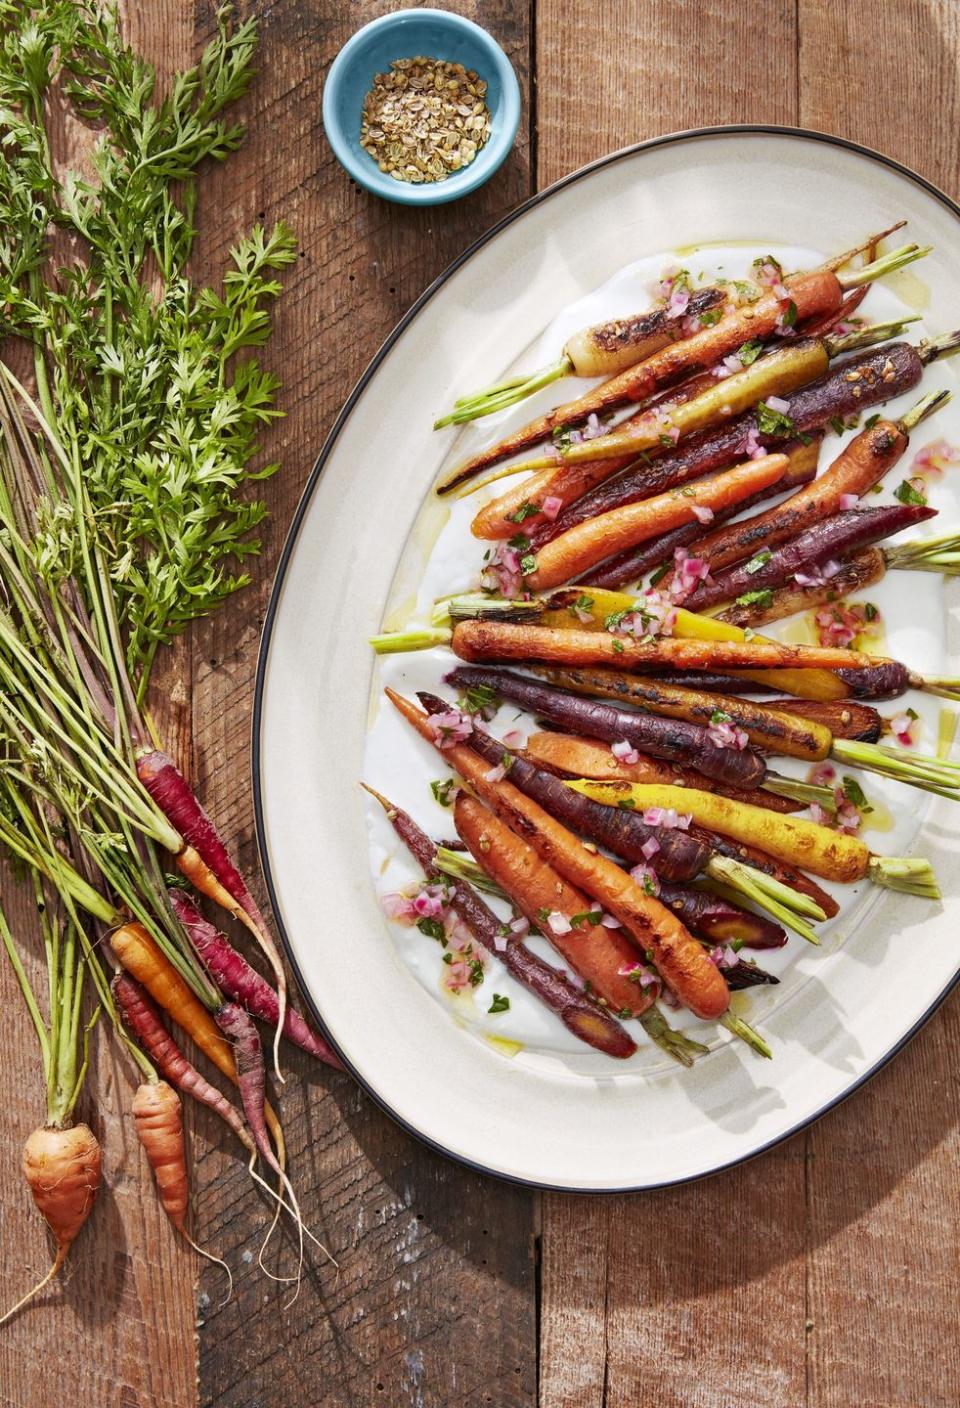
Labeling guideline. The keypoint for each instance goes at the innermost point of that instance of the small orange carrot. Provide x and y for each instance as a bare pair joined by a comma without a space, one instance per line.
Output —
477,641
141,957
156,1115
582,547
603,957
62,1168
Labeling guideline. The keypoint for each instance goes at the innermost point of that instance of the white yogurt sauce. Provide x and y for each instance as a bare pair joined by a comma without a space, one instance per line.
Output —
442,557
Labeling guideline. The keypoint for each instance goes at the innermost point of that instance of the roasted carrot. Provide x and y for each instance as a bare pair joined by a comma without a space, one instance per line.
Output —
652,433
812,553
578,1012
720,921
830,854
62,1168
492,640
570,756
156,1114
575,552
859,466
844,718
678,957
684,742
797,737
855,573
603,957
810,294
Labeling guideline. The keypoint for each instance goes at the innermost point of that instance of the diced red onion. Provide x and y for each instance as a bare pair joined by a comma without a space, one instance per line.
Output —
650,847
849,501
450,727
624,752
513,738
558,923
778,404
702,513
646,878
551,506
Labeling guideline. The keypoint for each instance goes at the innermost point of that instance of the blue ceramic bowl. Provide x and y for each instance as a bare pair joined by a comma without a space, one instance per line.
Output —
404,34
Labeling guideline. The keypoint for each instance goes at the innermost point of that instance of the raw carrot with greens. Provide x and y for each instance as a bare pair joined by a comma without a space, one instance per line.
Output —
142,1017
578,1012
62,1167
605,958
575,552
678,957
235,977
159,1126
830,854
808,295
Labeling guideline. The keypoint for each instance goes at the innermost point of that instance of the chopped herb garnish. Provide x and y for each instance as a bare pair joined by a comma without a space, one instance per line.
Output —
528,563
719,716
908,493
749,352
499,1004
854,793
759,560
871,421
476,972
763,597
433,929
870,611
659,573
442,790
589,916
788,317
626,803
911,714
618,647
582,603
624,1013
479,699
837,425
543,915
770,422
525,511
520,541
711,317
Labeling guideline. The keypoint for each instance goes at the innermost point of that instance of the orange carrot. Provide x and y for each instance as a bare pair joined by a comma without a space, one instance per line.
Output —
579,549
860,466
141,957
62,1169
585,757
677,956
601,956
156,1114
499,640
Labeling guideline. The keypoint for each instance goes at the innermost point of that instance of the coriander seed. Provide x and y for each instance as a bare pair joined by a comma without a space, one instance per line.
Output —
424,119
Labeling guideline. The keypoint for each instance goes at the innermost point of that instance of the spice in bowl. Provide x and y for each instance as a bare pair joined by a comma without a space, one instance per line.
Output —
425,119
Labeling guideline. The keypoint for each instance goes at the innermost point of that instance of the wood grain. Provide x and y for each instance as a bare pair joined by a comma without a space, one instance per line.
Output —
823,1274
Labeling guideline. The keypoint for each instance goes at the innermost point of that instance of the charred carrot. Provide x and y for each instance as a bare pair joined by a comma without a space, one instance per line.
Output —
575,552
719,921
678,957
810,557
861,570
489,640
860,466
830,854
571,756
605,958
810,295
576,1010
684,741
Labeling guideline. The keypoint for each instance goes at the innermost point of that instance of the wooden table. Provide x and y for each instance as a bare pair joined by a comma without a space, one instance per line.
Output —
824,1273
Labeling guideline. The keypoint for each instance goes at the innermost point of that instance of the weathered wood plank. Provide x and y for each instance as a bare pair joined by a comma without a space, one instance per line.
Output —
609,74
120,1326
434,1303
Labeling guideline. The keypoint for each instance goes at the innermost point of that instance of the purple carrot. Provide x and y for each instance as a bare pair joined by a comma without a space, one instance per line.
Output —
680,856
578,1012
747,974
174,796
671,739
718,920
831,538
886,681
237,1026
236,979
